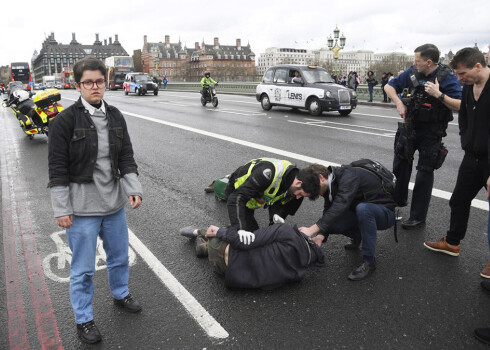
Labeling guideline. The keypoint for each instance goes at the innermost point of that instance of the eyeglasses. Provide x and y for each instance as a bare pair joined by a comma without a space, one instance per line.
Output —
88,84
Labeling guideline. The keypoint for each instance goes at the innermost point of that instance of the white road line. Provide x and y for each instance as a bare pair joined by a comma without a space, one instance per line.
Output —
344,129
313,121
205,320
386,117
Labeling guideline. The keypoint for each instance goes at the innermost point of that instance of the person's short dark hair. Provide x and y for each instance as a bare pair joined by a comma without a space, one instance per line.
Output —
88,63
468,57
429,51
310,182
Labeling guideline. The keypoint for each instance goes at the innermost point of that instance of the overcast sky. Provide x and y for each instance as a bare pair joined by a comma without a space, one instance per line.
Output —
380,26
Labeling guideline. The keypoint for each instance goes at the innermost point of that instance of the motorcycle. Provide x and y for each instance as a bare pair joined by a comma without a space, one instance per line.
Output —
209,95
35,114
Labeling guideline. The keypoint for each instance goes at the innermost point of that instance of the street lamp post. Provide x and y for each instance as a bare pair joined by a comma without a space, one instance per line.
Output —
337,46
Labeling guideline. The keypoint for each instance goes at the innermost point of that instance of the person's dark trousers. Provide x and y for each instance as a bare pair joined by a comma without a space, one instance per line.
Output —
364,223
472,177
424,142
370,88
385,96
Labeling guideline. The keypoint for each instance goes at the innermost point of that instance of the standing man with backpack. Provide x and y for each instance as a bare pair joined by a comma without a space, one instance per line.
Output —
358,203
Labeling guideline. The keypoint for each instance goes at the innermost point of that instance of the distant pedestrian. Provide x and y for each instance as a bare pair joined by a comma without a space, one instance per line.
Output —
165,81
343,80
372,82
384,81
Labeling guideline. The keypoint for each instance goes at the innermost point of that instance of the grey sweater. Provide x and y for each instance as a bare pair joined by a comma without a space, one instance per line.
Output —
106,195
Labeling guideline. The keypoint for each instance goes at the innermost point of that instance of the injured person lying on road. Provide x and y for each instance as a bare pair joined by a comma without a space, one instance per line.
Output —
266,258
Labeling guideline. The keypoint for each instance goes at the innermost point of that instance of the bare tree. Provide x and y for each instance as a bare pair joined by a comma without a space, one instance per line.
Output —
393,63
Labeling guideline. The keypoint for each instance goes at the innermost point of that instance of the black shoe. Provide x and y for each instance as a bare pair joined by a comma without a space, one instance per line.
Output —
88,332
483,335
485,285
210,188
412,224
354,244
188,231
362,271
128,303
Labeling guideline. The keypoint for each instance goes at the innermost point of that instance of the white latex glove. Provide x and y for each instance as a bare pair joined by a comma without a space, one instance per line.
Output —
246,237
277,219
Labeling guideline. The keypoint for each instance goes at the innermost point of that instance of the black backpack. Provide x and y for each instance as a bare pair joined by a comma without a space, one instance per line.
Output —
387,177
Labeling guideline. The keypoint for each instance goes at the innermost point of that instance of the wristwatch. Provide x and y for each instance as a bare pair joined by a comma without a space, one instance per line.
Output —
441,98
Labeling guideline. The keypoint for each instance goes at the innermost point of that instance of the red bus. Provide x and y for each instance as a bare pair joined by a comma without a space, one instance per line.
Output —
67,80
117,68
19,71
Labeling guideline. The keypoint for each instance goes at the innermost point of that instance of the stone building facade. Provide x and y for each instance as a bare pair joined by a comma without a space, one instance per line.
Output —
179,63
54,56
274,56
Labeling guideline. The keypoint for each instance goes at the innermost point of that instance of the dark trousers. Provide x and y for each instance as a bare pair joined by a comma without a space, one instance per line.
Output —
472,177
385,96
424,142
364,222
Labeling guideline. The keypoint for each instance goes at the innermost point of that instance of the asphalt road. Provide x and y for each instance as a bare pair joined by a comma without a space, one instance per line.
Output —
416,299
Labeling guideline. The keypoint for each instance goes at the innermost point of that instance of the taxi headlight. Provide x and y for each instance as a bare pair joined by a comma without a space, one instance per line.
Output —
328,94
353,93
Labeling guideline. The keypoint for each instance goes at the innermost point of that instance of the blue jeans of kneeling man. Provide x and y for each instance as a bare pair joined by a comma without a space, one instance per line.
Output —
364,222
82,238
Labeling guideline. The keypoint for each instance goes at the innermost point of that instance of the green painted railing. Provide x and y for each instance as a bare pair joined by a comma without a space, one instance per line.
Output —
249,88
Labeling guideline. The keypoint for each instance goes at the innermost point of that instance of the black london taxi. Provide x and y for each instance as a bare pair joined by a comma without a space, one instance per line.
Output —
304,86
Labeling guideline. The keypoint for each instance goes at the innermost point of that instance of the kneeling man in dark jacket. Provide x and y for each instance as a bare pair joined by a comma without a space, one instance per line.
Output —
266,258
357,206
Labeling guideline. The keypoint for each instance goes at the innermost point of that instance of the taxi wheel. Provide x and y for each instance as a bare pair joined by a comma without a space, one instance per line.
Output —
155,92
266,103
314,107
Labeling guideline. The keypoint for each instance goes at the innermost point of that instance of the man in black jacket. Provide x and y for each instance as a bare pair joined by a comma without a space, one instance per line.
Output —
269,182
474,127
266,259
357,206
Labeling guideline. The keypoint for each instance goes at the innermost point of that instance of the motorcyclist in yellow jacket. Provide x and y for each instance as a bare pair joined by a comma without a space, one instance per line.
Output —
206,81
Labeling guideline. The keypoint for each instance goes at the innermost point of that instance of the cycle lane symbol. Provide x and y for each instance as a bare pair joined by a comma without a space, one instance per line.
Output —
57,265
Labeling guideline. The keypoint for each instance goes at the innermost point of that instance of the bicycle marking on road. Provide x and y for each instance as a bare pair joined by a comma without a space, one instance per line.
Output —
63,255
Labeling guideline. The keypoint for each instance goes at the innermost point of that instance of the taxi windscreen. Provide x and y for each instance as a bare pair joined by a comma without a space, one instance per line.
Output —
317,76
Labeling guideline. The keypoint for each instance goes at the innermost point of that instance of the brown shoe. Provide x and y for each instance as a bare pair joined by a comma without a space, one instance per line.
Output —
210,188
443,247
485,273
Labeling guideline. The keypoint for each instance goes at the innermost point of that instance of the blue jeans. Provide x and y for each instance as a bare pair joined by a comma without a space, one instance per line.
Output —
370,88
364,223
82,238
